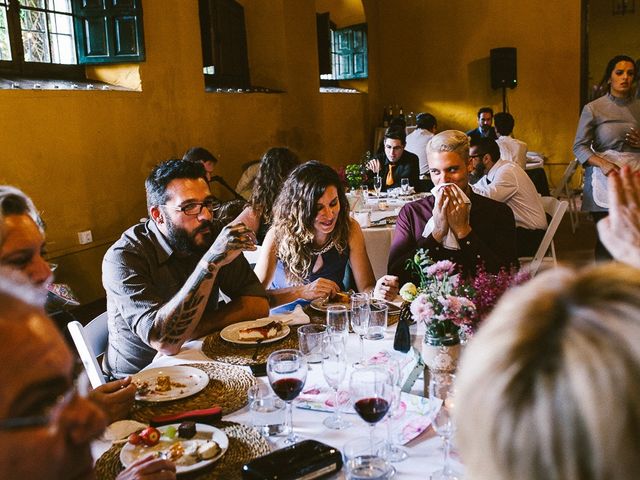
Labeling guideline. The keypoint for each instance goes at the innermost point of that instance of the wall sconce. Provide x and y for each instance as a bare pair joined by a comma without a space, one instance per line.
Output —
622,7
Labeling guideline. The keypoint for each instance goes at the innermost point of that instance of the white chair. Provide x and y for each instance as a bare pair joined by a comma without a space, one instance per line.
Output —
556,208
564,191
91,341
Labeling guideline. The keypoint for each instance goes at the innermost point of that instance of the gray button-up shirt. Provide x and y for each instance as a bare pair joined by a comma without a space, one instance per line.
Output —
141,273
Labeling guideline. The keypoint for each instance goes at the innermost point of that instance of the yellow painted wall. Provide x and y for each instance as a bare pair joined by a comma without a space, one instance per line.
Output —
610,35
434,56
83,155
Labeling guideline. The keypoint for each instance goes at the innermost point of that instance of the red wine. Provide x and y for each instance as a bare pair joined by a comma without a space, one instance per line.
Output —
372,410
287,388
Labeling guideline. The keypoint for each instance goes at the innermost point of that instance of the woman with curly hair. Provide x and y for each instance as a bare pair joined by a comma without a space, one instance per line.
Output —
306,251
275,166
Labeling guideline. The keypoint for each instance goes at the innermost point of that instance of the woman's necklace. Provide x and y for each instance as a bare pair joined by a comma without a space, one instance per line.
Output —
325,248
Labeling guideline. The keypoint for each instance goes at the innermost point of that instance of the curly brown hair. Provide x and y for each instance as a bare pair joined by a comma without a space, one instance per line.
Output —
275,166
294,215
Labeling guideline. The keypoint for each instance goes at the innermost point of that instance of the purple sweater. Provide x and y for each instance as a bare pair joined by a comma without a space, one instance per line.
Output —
492,239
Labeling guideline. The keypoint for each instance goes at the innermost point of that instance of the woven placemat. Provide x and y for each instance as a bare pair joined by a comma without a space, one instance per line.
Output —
227,388
220,350
245,444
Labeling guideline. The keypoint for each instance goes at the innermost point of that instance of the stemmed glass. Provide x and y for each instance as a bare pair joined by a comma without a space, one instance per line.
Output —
287,372
360,310
334,369
395,453
377,184
442,386
370,389
404,186
338,320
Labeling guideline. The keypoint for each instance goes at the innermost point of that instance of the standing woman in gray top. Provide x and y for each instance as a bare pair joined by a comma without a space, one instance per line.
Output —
611,122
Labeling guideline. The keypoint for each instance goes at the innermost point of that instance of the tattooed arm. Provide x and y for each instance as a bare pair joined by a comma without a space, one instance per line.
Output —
177,321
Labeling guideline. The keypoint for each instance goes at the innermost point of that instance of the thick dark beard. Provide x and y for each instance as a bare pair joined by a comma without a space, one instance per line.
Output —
479,170
183,242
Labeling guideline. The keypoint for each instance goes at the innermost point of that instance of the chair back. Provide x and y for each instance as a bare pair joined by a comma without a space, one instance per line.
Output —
563,187
91,342
556,209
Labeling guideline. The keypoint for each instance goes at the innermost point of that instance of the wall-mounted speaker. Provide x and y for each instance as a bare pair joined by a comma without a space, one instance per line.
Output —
504,72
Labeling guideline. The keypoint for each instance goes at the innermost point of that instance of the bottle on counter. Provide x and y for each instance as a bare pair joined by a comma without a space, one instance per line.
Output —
385,118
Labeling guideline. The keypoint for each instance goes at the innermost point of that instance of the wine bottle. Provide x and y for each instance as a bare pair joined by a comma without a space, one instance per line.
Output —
385,118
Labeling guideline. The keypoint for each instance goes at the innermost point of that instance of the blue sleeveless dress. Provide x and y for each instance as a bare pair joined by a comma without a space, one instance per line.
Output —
333,268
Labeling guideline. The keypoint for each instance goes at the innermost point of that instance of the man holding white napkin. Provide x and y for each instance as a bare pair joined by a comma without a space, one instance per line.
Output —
455,223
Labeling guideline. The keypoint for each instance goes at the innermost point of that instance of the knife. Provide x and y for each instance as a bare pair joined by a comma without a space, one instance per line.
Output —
206,415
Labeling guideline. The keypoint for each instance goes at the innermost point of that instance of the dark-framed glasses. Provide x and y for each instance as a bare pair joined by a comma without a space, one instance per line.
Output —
49,411
195,208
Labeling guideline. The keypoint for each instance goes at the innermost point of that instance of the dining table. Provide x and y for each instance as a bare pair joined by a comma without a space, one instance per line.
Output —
228,365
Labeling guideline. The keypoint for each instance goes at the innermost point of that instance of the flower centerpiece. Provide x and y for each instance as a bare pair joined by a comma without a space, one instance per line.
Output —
355,174
451,306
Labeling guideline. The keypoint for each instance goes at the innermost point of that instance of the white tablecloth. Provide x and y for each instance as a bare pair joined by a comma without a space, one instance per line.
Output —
425,451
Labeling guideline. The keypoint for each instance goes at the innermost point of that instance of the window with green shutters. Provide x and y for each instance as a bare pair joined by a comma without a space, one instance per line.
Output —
342,52
52,38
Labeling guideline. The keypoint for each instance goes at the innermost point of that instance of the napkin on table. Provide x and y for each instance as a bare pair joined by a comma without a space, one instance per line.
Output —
294,317
450,240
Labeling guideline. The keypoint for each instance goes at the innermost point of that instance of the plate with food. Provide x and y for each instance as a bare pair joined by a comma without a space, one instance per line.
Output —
191,446
169,383
252,332
339,298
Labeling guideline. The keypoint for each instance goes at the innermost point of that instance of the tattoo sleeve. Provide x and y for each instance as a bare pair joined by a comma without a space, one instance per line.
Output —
179,317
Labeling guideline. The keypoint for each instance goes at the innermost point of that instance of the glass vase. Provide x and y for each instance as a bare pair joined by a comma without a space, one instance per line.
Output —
440,355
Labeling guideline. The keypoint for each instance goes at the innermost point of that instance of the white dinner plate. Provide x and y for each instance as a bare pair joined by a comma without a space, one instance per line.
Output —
130,453
189,380
230,332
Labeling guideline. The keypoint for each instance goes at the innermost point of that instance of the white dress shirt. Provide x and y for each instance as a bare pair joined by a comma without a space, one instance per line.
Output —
513,150
417,143
508,183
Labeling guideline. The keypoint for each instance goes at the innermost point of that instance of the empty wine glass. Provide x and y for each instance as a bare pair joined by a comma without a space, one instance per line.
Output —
334,369
360,310
338,320
395,453
442,387
287,372
377,185
404,186
370,389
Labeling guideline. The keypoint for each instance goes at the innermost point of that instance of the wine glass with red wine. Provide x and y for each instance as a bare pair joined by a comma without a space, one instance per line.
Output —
287,372
371,392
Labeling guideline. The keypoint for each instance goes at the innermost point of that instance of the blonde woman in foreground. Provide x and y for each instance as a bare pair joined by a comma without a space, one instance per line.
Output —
548,388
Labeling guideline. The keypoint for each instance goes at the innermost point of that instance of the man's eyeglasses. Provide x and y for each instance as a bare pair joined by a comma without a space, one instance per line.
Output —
195,208
50,411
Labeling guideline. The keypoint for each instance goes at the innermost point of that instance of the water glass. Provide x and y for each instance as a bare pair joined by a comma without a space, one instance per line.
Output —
361,461
334,369
365,192
310,341
377,185
442,387
267,410
377,320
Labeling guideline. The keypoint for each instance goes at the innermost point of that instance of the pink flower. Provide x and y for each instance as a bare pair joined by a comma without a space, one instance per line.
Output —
421,308
441,268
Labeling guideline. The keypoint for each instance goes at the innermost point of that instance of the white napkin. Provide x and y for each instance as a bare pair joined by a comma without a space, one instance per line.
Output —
296,317
450,240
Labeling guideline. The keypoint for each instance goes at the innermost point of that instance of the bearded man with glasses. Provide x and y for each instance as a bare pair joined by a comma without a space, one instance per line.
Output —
163,276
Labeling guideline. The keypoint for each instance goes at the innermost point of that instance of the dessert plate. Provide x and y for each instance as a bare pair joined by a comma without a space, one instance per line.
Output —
130,453
185,381
231,333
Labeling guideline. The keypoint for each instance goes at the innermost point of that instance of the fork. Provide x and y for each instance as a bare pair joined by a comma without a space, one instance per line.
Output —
258,344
